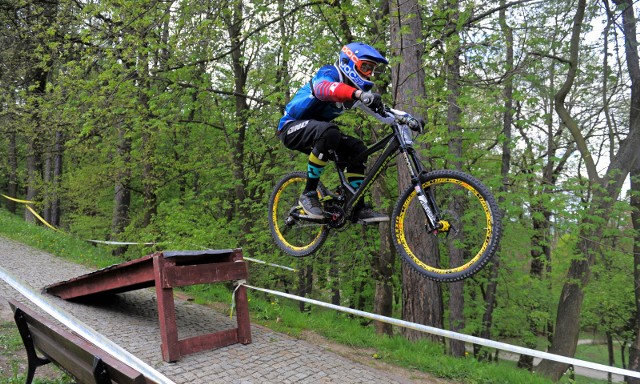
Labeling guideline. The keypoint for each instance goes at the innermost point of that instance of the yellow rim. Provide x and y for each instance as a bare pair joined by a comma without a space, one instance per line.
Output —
399,227
275,218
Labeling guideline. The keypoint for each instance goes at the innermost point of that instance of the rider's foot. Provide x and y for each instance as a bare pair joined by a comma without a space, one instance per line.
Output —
367,215
311,205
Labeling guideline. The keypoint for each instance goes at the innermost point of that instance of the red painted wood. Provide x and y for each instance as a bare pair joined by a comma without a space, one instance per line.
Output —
166,271
242,314
207,342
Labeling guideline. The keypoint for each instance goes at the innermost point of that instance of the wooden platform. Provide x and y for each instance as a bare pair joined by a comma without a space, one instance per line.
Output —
165,271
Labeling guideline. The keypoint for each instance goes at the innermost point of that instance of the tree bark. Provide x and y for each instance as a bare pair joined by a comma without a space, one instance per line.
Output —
12,160
240,78
383,268
57,178
605,190
633,66
122,192
452,70
634,348
421,298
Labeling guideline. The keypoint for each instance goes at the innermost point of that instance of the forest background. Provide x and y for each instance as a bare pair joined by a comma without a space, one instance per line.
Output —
154,121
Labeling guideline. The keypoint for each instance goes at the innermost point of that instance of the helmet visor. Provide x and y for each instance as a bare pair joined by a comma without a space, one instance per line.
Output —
366,67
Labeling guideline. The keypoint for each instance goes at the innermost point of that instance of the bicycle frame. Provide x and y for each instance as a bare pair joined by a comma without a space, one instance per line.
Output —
399,140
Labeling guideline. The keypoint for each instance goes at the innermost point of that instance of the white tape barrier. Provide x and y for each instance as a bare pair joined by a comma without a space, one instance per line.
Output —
83,330
119,242
269,264
459,336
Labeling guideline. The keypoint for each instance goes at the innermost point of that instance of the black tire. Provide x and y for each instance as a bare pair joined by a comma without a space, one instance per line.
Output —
295,237
471,211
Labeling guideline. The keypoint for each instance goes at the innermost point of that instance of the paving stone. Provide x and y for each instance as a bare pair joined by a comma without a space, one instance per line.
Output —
131,320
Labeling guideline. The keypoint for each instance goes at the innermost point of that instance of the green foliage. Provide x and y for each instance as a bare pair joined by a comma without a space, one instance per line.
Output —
165,102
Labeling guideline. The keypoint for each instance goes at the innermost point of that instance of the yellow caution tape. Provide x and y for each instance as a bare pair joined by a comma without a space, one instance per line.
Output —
40,218
18,200
31,210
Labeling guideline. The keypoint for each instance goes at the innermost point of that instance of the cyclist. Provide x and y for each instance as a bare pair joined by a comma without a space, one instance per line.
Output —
307,123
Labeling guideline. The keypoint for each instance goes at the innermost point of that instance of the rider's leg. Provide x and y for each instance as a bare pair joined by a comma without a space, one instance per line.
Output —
327,140
315,138
355,179
318,158
350,148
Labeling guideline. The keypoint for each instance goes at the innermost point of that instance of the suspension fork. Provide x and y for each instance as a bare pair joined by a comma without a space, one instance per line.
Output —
425,197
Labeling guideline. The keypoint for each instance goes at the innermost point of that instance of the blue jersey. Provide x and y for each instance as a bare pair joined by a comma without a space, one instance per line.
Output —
305,105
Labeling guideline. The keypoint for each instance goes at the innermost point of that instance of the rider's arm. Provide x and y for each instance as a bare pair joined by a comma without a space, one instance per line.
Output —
387,119
334,91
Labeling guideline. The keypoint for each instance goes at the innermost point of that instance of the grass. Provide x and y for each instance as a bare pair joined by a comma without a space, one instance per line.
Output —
13,360
282,315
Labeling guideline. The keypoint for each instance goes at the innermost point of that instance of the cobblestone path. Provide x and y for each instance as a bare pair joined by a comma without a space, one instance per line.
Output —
130,320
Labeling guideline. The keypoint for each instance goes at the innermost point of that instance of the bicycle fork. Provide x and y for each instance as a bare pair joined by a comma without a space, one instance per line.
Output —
434,224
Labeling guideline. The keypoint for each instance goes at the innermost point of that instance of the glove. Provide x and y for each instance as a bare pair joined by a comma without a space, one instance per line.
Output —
416,125
373,101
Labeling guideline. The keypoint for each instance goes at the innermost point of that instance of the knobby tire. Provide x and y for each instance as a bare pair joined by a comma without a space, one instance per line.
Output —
465,204
299,238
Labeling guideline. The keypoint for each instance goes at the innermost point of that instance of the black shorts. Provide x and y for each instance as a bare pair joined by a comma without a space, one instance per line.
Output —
301,135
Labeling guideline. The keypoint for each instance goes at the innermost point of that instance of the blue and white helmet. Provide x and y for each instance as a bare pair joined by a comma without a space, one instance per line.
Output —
357,61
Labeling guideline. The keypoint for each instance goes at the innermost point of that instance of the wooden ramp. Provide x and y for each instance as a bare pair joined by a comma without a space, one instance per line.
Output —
165,271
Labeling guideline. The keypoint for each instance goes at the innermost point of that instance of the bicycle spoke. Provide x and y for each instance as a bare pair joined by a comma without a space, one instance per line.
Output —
293,234
465,238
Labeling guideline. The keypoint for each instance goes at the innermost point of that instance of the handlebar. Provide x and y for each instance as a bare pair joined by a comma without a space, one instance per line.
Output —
405,118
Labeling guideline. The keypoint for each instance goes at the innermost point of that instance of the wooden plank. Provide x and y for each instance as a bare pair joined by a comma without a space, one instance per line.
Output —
122,277
166,270
209,341
181,276
242,316
166,313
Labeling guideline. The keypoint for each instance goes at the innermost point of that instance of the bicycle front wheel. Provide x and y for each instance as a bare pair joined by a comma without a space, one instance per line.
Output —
469,226
294,235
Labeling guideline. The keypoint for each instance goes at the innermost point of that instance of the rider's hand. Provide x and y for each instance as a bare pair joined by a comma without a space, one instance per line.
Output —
373,101
416,124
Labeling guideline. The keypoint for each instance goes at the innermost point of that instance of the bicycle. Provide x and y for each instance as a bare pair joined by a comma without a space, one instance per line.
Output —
446,225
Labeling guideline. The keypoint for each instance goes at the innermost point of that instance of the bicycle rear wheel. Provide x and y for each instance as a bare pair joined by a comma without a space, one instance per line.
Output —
470,227
295,236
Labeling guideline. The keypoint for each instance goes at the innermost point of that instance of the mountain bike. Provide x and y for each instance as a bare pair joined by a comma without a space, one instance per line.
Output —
446,225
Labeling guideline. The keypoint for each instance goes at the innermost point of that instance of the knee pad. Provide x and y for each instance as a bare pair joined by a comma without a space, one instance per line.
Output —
328,140
357,166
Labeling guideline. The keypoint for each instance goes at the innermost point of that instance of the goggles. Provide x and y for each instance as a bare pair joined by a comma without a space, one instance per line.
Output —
365,67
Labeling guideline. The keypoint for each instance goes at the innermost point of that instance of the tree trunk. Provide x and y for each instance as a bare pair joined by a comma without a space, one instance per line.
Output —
34,154
305,282
12,188
382,266
634,348
383,269
47,183
237,139
421,298
33,171
633,65
452,70
57,178
122,193
606,190
334,278
610,352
